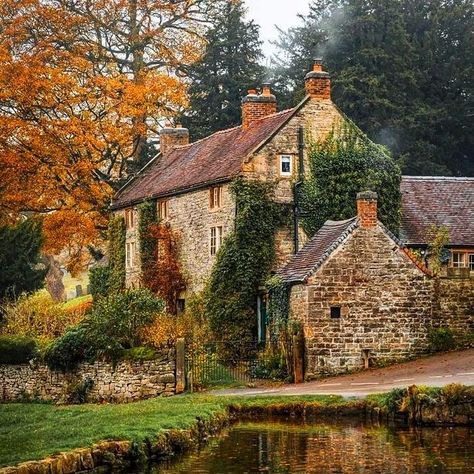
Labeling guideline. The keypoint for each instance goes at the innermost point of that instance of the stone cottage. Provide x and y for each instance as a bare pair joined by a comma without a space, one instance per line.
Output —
360,295
190,181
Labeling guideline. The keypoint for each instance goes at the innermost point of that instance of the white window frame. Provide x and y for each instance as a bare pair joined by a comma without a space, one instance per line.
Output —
163,208
215,239
290,161
215,197
129,219
130,252
460,261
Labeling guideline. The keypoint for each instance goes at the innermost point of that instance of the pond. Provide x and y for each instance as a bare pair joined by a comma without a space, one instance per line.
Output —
292,447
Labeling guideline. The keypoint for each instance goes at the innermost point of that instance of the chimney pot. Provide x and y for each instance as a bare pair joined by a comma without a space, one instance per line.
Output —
367,209
318,82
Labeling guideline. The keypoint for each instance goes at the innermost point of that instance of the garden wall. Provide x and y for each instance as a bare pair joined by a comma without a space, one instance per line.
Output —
126,381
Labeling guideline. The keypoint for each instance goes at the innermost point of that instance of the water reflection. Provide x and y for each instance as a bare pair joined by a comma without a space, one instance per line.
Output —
278,447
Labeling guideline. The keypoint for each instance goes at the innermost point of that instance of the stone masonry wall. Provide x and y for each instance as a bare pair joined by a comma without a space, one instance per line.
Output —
385,305
126,382
453,304
190,215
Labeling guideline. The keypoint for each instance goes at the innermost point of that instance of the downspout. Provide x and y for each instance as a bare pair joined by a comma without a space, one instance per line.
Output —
296,189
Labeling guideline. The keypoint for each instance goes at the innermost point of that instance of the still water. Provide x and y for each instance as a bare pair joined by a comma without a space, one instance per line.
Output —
286,447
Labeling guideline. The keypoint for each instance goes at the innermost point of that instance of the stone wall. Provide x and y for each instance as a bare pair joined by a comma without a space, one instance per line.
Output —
453,304
126,382
384,301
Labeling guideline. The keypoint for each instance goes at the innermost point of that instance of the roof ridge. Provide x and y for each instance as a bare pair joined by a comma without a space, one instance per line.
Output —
438,178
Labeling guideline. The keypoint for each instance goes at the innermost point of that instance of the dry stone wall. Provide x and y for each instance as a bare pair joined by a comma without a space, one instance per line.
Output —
126,382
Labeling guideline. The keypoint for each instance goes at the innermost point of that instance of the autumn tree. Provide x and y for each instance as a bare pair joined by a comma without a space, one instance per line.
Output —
83,86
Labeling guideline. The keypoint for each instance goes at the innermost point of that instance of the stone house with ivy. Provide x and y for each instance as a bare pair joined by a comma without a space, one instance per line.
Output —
189,182
361,295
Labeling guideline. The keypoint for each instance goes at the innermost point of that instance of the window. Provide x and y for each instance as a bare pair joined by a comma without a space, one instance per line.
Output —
163,209
130,252
458,260
216,239
285,165
129,219
215,197
471,262
335,312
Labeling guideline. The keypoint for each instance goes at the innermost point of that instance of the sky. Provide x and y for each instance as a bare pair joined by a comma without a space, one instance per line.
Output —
268,13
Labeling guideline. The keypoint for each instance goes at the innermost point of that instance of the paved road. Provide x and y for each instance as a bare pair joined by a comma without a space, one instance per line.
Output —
438,370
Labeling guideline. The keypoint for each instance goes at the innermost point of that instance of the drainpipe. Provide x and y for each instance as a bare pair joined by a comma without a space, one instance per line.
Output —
296,188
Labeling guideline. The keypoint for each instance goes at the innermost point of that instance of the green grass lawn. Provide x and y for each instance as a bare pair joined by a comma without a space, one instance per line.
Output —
31,431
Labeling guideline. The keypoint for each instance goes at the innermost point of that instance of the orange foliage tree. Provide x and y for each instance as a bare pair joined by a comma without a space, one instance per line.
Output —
83,86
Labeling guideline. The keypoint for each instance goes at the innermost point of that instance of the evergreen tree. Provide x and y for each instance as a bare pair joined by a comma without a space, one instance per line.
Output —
402,70
21,267
228,68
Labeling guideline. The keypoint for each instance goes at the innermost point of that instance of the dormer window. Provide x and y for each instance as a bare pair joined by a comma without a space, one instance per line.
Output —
163,209
286,165
129,219
215,197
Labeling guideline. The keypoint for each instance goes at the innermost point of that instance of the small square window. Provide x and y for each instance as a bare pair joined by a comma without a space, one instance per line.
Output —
215,197
285,165
335,312
163,209
458,260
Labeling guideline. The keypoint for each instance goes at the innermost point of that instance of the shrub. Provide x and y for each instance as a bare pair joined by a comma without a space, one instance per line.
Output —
16,349
99,281
66,352
441,339
139,354
38,316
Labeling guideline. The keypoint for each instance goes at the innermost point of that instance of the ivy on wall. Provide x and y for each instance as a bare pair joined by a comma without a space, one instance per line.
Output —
116,238
242,265
343,164
147,216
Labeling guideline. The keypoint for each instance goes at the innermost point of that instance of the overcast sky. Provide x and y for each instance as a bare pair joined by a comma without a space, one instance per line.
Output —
268,13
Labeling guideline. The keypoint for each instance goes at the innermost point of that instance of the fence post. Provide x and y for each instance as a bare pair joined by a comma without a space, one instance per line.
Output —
180,375
298,358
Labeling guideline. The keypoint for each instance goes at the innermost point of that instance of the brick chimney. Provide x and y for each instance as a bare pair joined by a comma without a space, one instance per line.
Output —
256,106
367,208
171,137
318,82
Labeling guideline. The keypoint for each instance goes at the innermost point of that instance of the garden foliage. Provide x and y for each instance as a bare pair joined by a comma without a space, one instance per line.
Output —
243,263
16,349
341,165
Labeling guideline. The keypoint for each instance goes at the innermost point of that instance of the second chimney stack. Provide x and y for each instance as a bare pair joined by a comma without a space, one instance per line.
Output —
256,106
318,82
367,208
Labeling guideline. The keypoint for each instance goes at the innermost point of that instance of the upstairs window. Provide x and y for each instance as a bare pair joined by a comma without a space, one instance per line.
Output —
163,209
130,252
215,197
129,219
286,168
215,239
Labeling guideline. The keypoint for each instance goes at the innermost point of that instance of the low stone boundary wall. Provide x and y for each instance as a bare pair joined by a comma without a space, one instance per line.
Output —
98,382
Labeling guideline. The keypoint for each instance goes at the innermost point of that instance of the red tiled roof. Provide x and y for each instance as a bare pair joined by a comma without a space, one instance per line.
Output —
315,252
437,201
212,159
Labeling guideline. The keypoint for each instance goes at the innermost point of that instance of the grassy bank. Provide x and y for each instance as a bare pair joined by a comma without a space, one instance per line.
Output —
30,431
33,431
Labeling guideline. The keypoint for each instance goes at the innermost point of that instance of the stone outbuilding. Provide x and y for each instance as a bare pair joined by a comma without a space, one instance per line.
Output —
359,294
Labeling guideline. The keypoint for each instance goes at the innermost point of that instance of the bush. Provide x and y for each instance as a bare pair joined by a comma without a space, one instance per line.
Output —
441,339
16,349
66,352
99,281
38,316
139,354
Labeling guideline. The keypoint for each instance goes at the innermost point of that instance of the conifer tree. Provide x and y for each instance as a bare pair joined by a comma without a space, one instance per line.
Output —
227,69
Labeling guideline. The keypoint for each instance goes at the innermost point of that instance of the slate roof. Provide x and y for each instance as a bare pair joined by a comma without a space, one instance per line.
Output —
216,158
315,252
428,200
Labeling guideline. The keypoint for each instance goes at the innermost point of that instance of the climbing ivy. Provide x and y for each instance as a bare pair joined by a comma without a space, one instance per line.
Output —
278,306
242,265
116,238
341,165
147,216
